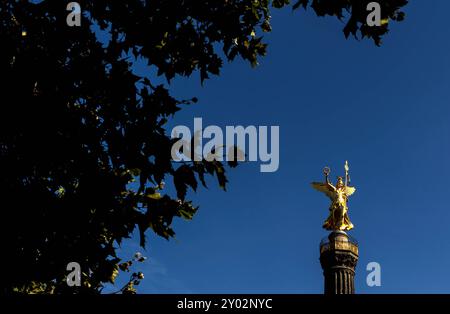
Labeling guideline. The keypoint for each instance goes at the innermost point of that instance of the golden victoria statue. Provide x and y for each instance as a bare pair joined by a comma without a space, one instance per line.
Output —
338,218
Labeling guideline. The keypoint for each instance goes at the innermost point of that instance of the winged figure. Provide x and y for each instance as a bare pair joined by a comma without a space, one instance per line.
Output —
338,194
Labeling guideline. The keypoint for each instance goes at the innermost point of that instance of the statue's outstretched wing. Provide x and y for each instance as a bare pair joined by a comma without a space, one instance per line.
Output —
324,188
349,190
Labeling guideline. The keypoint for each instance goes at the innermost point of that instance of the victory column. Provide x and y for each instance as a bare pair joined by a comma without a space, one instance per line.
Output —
339,251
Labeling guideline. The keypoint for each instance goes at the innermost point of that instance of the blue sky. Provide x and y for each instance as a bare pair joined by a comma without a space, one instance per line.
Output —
386,110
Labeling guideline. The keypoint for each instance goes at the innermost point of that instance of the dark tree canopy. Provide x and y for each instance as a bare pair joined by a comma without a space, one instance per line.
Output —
77,126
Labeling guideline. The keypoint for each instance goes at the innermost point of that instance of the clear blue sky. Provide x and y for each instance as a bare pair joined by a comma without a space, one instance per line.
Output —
384,109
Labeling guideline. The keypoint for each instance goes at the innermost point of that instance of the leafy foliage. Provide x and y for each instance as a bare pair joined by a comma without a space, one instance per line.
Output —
78,127
135,278
355,11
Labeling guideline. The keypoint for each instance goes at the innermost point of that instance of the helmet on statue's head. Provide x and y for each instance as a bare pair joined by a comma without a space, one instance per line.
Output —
340,182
